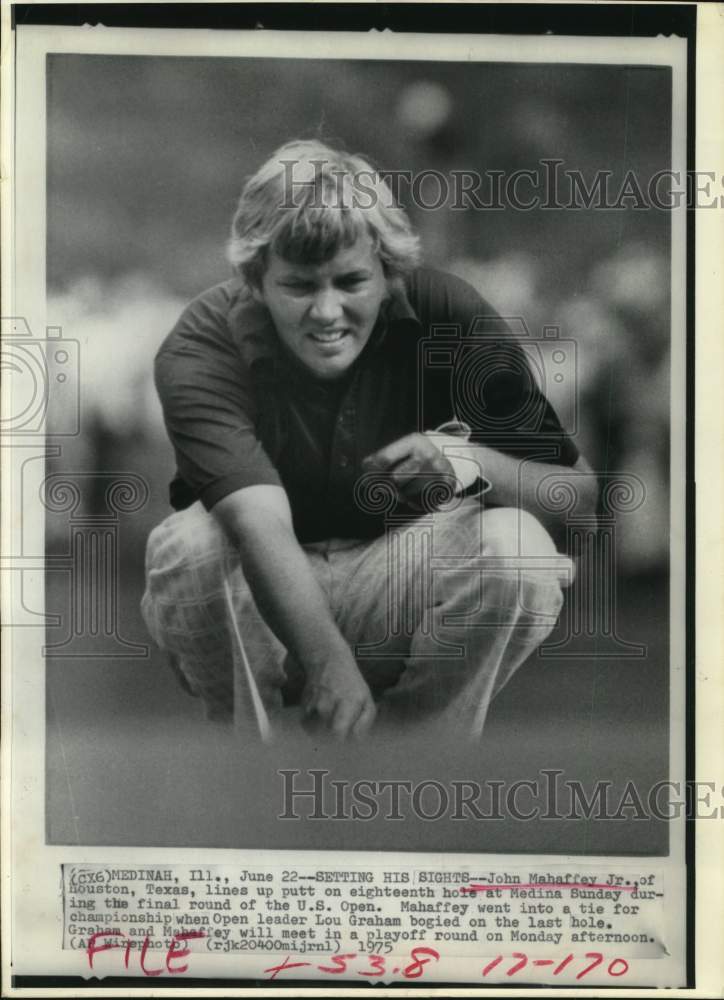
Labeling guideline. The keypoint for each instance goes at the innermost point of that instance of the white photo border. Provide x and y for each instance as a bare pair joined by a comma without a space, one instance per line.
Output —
24,293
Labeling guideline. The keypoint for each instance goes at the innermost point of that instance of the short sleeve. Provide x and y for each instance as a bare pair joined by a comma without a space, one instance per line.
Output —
208,403
492,386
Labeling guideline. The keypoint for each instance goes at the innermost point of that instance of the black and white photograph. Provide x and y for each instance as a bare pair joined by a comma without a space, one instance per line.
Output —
351,396
325,344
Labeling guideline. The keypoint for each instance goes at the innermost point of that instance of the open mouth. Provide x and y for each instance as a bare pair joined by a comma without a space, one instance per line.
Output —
331,337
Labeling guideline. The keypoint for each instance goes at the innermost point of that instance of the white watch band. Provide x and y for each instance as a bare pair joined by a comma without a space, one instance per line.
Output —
467,471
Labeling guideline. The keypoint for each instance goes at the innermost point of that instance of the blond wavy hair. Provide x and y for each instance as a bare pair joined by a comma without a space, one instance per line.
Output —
307,202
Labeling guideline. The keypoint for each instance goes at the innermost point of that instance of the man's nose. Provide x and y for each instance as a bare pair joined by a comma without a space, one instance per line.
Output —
326,306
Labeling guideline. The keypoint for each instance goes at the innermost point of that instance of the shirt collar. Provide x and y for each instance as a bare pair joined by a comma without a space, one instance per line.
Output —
399,306
250,326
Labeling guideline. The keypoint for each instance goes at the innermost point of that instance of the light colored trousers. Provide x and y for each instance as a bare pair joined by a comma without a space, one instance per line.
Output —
439,612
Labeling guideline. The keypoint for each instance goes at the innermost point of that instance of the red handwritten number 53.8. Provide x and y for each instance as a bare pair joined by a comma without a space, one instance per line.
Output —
412,971
420,957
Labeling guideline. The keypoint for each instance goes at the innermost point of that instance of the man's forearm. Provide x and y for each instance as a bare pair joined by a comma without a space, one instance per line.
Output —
259,522
515,483
285,589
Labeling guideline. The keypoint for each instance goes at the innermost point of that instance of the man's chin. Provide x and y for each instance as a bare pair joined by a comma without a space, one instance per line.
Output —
330,368
330,374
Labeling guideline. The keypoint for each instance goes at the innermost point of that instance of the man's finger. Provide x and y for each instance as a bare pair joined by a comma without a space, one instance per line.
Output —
404,471
391,454
319,703
410,490
344,718
312,723
364,722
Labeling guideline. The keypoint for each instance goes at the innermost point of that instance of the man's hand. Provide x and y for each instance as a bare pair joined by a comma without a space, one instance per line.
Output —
292,603
339,697
411,463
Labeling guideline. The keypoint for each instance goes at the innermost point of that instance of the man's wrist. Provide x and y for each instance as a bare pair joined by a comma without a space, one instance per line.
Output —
452,441
478,488
335,657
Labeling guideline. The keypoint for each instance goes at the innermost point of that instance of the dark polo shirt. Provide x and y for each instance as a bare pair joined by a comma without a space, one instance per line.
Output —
240,411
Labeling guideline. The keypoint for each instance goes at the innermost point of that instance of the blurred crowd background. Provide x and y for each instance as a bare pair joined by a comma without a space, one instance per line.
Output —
146,159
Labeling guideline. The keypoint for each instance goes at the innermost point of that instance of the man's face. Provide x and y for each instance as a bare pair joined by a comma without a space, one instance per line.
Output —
324,313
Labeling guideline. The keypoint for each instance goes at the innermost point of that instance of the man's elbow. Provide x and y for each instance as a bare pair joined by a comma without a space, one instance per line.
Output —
255,513
588,488
581,501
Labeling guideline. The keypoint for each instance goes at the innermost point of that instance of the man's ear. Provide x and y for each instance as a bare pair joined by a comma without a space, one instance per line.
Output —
252,274
256,293
394,286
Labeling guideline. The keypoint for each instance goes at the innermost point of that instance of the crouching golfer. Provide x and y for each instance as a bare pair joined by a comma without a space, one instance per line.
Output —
360,446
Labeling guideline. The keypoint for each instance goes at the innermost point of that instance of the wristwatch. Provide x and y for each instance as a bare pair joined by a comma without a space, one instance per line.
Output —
459,429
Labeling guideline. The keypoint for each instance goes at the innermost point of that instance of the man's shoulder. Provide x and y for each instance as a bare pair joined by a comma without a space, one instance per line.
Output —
439,296
223,317
218,296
